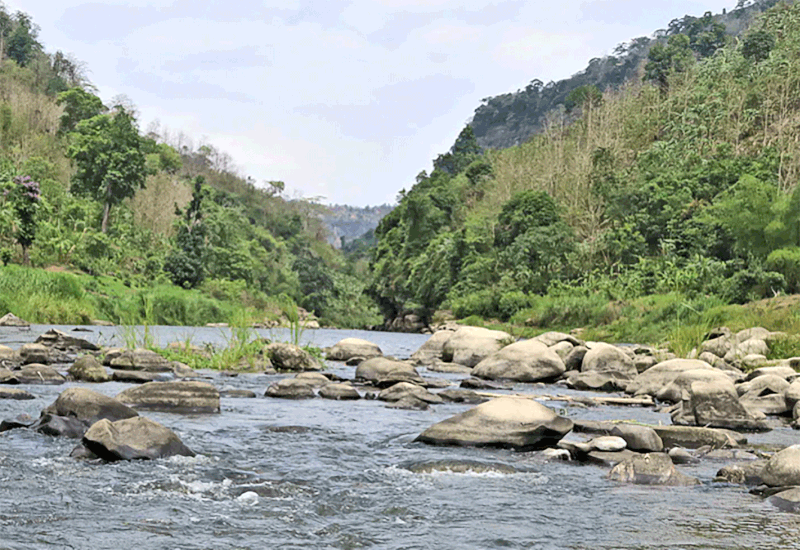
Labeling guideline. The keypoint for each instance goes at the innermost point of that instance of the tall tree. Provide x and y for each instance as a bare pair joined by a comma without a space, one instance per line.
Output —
107,150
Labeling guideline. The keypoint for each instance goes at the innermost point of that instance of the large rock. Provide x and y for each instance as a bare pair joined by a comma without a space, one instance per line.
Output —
34,353
594,381
639,438
673,392
353,347
61,340
292,358
574,360
339,392
719,346
141,359
692,437
470,345
293,388
528,361
716,405
783,371
650,469
553,338
75,409
184,397
384,372
783,469
402,390
431,351
609,360
654,379
792,394
15,394
787,501
522,424
37,375
766,394
138,376
88,369
132,439
11,320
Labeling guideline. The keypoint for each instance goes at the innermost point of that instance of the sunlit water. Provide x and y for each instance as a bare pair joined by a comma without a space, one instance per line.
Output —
320,474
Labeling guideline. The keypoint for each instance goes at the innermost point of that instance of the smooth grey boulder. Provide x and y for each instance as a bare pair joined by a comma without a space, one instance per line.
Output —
718,347
142,360
11,320
594,381
792,393
673,392
470,345
552,338
562,349
138,376
88,369
639,438
609,360
404,389
574,359
694,437
339,392
715,404
184,397
650,469
462,396
786,372
15,394
293,388
766,394
383,372
35,374
527,361
783,468
654,379
89,406
289,357
34,353
608,444
787,501
409,403
431,351
522,424
57,339
353,347
133,439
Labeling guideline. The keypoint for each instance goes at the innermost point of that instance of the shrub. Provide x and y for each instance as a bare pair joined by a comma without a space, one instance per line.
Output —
786,261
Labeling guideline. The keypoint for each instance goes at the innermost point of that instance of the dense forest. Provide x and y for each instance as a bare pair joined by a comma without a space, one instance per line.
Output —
680,183
163,226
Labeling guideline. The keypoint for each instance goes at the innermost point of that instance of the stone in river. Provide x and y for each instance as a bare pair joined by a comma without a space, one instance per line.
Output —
184,397
650,469
132,439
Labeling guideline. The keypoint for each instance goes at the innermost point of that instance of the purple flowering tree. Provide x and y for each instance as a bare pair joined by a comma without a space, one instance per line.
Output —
25,198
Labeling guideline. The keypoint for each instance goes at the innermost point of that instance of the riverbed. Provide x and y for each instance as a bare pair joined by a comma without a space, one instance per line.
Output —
320,474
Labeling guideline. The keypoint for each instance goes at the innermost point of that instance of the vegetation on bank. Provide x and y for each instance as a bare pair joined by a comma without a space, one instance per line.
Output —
666,203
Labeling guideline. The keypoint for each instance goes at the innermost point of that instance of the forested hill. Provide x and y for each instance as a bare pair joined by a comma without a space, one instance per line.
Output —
682,184
84,189
510,119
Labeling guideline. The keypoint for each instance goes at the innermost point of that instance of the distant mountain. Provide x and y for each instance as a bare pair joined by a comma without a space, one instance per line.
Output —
510,119
347,223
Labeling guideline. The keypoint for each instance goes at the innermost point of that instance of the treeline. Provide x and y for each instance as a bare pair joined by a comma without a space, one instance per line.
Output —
83,188
682,183
511,119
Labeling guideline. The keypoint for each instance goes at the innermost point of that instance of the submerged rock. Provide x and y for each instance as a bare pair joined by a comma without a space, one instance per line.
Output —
353,347
522,424
132,439
650,469
182,397
787,501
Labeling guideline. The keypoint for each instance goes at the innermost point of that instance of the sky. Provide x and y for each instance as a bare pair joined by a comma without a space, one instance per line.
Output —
344,101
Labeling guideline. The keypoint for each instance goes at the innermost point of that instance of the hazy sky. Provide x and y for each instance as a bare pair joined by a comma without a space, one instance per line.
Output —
345,100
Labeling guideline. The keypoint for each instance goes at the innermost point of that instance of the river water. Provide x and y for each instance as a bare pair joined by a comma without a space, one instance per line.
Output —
320,474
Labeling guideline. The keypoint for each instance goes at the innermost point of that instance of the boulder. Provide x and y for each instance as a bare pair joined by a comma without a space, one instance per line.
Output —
404,389
15,394
792,393
409,403
608,444
470,345
293,388
431,351
574,360
783,468
562,349
753,346
644,362
673,392
89,406
11,320
650,469
462,396
654,379
88,369
716,405
339,392
692,437
38,375
765,394
8,354
594,381
184,397
787,501
34,353
609,360
292,358
141,360
353,347
527,361
639,438
742,474
132,439
137,376
785,372
522,424
65,342
553,338
718,347
383,372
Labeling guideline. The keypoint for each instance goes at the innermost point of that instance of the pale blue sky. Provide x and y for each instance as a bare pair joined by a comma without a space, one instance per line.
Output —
344,100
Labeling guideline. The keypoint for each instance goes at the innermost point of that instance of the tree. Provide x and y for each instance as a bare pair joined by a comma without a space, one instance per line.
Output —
22,45
110,162
464,151
664,60
586,97
185,262
757,45
25,199
78,105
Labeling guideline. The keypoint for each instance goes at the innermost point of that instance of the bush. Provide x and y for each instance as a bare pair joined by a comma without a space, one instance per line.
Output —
786,261
512,302
482,303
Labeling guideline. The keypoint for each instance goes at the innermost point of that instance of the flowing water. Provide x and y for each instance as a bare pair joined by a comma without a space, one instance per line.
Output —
319,474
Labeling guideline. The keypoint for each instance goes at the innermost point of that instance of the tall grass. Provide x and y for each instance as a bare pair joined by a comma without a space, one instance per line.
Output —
39,296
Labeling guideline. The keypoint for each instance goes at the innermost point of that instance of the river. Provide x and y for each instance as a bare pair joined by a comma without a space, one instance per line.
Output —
320,474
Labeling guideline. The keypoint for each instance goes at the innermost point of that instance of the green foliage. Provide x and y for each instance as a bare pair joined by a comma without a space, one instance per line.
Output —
585,97
757,45
78,105
525,211
664,60
786,261
25,200
185,262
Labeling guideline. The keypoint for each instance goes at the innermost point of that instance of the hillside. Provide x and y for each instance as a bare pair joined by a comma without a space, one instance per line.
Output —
511,119
347,223
675,194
